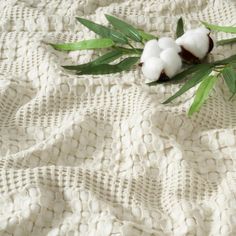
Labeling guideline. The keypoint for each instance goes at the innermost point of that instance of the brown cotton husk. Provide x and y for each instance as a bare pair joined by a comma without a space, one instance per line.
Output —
140,64
163,77
211,44
188,56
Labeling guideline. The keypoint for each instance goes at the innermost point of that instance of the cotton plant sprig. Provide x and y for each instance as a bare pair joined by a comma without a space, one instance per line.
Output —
206,74
117,40
161,59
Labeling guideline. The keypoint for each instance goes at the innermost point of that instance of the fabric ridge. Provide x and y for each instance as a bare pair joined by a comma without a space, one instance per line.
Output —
101,155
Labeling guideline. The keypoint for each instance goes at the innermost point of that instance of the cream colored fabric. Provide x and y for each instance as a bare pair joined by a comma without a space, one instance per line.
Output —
101,155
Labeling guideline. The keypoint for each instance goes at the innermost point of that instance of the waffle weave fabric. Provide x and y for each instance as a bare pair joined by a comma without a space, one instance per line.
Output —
101,155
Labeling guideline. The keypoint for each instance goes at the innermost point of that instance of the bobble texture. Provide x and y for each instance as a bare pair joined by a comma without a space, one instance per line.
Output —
100,155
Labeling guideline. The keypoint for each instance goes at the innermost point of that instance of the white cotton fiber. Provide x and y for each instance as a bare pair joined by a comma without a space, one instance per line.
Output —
172,61
152,68
202,30
151,49
167,42
195,41
164,55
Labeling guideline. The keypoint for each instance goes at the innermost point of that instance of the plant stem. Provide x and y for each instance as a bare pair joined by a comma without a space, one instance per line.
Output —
130,45
129,51
230,99
143,43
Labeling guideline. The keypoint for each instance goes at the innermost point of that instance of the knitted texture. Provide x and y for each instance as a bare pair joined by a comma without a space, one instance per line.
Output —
101,155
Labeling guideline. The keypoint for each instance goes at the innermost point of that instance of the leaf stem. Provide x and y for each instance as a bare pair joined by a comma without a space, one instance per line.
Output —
130,45
128,50
231,97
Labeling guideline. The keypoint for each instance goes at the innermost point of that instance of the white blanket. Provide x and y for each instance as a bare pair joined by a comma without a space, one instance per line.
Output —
101,155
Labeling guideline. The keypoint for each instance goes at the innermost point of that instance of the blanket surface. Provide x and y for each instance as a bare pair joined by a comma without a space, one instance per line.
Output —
101,155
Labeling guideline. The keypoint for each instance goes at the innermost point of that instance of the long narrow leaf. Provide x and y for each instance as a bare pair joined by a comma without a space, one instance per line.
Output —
202,93
225,61
107,58
103,31
100,69
226,29
127,63
180,28
153,83
182,75
85,45
192,69
226,41
124,28
104,59
233,65
197,78
137,51
146,36
229,75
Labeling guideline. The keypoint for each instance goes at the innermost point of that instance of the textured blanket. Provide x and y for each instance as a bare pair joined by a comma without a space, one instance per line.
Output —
101,155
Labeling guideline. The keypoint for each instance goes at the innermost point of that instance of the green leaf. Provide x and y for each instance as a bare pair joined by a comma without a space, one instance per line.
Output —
183,74
104,59
180,28
128,62
229,75
137,51
233,65
153,83
146,36
124,28
190,70
225,61
85,45
232,97
226,41
226,29
103,31
197,78
101,69
202,93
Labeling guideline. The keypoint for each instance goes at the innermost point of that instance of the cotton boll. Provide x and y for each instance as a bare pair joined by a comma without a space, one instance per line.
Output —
206,36
203,30
195,44
172,61
189,43
204,45
151,49
152,68
167,42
